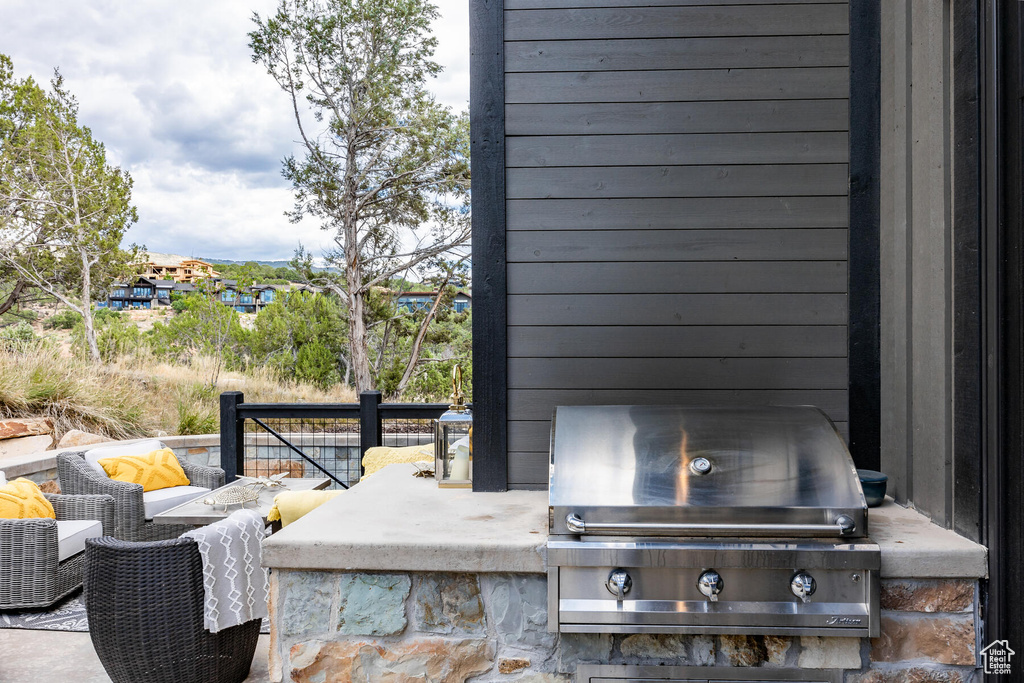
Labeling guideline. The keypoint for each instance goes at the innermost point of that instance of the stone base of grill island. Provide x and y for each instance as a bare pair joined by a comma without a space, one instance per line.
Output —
397,576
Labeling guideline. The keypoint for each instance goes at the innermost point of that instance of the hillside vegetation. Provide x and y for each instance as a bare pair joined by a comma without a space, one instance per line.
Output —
133,396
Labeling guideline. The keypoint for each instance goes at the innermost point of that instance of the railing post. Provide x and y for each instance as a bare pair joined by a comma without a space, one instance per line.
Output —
371,430
232,435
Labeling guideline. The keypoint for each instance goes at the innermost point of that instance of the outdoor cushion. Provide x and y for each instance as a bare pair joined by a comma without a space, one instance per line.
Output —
157,501
156,470
291,505
93,455
379,457
22,499
3,479
71,535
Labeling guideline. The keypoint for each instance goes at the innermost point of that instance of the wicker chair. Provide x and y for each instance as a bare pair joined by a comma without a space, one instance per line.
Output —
130,524
33,574
144,602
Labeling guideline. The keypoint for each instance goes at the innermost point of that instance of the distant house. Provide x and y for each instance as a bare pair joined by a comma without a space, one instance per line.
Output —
412,301
144,292
245,299
148,293
185,270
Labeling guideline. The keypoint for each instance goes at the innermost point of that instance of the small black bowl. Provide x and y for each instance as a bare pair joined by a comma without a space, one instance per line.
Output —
873,484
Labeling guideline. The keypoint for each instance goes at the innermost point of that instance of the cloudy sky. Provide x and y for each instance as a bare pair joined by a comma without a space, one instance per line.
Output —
169,87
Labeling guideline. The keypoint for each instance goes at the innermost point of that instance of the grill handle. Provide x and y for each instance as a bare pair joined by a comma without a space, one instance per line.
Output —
843,526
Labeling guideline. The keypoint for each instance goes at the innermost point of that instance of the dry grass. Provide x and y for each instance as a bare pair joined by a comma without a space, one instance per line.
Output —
135,396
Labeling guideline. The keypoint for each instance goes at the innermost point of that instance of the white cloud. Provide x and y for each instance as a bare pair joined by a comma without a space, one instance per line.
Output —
169,87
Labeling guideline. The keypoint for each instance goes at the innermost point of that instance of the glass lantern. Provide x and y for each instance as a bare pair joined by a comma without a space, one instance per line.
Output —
453,441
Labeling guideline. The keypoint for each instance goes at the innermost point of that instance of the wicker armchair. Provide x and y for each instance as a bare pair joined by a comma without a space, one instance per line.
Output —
145,607
130,524
33,574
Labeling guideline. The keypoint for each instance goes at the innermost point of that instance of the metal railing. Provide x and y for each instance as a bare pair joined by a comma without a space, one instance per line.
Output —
316,439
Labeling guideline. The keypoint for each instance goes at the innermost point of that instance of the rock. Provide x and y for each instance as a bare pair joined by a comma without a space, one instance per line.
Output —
510,665
265,468
944,640
776,648
583,648
448,603
743,650
29,426
50,486
653,646
829,653
305,601
430,660
928,595
26,445
917,674
518,608
373,604
76,437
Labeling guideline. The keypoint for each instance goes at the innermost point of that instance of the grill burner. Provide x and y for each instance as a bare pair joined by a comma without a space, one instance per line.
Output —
675,519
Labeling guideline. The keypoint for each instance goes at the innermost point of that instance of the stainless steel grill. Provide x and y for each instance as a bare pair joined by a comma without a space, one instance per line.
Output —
678,519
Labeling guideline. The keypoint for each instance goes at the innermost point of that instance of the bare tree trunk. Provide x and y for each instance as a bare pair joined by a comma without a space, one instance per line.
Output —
14,296
87,321
414,354
357,342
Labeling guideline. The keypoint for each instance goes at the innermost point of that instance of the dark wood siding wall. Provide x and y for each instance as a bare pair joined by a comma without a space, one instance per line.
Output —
676,214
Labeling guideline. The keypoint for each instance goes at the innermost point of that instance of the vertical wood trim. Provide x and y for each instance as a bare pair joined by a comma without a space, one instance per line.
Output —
865,141
967,292
487,150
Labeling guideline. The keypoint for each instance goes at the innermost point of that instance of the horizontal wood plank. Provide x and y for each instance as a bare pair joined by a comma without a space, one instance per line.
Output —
538,404
675,373
613,118
675,214
647,150
678,86
676,22
566,4
677,181
708,277
677,309
537,246
734,341
528,471
676,53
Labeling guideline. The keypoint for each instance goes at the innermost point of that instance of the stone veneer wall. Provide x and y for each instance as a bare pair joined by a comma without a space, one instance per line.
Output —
487,628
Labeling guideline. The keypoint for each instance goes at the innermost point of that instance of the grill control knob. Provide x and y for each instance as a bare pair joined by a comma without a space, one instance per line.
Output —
619,583
710,584
803,586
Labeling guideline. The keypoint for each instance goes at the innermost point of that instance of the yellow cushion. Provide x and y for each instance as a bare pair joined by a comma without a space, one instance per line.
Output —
290,505
22,499
379,457
155,470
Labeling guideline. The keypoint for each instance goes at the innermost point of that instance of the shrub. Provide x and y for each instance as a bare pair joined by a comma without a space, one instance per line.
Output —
17,337
74,394
65,320
197,409
115,337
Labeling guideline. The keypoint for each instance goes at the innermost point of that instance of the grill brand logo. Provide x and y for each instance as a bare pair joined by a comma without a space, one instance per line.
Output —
997,656
843,621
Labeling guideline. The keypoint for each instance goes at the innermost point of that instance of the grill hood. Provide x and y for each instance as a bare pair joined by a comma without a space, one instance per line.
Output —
702,471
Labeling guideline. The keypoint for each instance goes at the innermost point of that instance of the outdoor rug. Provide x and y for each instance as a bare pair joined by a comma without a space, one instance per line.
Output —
67,615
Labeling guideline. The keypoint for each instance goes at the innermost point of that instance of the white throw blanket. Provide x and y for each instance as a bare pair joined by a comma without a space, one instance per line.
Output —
234,579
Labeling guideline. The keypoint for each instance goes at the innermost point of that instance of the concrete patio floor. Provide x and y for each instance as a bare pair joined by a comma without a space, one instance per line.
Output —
37,656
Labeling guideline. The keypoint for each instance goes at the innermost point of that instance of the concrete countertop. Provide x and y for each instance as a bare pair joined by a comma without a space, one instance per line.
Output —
394,521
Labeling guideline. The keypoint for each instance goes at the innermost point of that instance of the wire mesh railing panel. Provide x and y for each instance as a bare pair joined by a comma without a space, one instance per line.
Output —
403,431
331,443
